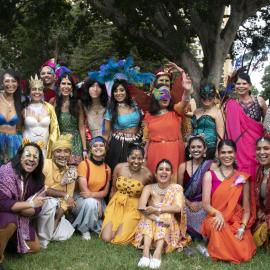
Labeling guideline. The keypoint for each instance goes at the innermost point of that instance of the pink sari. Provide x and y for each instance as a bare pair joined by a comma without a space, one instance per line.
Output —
244,131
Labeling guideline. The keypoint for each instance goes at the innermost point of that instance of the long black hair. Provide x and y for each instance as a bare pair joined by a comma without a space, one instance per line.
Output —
37,174
154,104
86,98
73,108
17,94
112,106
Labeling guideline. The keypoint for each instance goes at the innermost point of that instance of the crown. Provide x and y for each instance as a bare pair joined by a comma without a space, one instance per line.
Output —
36,82
26,141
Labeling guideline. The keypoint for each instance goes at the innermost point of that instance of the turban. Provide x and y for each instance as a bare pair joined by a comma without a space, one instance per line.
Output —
64,141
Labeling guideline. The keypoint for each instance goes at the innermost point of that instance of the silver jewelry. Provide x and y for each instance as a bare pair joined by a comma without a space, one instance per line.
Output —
266,172
32,204
8,103
160,191
223,175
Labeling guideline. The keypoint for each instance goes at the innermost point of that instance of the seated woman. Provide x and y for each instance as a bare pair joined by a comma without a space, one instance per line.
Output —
121,214
10,111
190,177
208,119
94,183
230,207
21,186
262,226
163,224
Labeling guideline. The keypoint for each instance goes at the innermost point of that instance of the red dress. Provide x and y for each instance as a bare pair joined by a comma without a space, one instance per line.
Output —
164,139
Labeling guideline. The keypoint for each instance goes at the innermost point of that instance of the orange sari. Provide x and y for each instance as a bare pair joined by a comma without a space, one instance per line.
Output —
223,245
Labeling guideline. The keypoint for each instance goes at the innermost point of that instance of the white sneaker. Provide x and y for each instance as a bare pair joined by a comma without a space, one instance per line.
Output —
202,250
144,262
154,263
86,236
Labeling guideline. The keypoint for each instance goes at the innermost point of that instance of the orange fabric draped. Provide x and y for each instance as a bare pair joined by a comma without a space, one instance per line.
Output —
165,139
223,245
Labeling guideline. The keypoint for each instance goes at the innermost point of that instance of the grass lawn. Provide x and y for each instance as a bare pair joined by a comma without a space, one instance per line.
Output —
95,254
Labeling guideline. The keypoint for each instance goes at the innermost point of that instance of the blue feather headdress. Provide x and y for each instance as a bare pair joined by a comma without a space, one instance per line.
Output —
121,70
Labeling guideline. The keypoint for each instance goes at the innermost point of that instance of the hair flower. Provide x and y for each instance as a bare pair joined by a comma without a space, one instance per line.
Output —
239,180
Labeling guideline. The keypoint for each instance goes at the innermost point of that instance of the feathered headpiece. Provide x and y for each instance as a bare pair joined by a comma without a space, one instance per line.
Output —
121,70
35,82
50,63
61,71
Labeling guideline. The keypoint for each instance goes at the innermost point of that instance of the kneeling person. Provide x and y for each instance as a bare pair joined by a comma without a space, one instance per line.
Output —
60,182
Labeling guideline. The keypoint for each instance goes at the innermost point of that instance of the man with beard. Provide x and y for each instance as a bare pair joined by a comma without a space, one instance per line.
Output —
59,182
47,75
21,198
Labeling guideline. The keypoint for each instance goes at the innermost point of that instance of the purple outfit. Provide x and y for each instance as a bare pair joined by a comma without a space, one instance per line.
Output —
10,193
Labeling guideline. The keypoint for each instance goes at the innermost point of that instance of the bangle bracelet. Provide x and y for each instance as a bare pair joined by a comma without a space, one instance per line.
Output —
158,219
66,197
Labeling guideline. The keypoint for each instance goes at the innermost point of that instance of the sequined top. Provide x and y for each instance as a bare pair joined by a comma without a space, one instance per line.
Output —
129,186
253,109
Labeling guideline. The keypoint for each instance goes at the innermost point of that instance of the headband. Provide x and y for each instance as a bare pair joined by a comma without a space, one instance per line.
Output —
96,139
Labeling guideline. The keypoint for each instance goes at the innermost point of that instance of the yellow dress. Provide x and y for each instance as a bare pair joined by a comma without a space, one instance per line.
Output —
174,233
122,210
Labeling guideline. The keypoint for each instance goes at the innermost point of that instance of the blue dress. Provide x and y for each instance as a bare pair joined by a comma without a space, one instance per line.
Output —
206,125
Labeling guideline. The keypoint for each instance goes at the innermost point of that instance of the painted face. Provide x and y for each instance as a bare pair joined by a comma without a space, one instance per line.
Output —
61,156
242,87
135,160
98,149
165,101
197,149
30,158
95,90
120,93
164,79
263,153
226,155
10,84
36,94
163,173
47,76
65,87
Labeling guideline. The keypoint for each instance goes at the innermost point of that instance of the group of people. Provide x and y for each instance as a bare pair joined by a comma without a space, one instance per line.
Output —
88,159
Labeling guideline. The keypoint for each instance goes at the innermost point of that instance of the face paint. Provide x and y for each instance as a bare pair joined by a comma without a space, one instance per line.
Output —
30,158
161,94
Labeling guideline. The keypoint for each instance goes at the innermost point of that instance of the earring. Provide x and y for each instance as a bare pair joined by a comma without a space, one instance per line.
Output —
218,162
235,163
71,94
204,155
190,156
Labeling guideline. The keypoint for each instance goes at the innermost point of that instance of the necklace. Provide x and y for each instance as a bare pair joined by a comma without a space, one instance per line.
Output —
266,172
8,103
223,175
162,111
160,191
122,105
